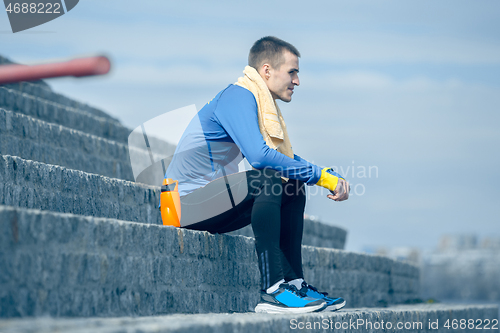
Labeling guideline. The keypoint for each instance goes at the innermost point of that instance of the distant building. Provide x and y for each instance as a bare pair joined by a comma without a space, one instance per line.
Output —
462,269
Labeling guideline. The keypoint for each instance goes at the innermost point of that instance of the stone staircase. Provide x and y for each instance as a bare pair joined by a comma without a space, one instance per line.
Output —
80,238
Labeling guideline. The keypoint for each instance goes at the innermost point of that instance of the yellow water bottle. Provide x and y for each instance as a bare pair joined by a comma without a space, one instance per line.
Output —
170,203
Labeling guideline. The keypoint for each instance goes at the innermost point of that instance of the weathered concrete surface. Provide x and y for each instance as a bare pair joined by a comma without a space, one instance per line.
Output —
417,318
36,107
37,140
69,265
29,184
315,234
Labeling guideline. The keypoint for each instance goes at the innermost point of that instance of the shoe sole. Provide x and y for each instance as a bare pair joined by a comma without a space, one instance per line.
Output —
335,307
269,308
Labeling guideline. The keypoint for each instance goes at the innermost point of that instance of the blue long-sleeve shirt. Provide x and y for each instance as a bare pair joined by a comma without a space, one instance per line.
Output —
223,132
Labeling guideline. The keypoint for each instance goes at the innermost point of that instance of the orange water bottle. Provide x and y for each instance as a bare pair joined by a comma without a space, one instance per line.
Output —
170,203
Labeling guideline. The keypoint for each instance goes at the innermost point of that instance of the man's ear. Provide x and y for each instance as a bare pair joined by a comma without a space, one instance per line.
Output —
265,71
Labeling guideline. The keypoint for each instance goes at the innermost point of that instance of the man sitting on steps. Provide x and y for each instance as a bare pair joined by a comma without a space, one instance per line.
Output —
244,121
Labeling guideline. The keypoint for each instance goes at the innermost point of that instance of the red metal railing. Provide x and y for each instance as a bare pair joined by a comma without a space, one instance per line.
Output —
77,67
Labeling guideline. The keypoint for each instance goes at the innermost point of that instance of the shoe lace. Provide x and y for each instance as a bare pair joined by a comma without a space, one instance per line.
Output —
306,286
294,289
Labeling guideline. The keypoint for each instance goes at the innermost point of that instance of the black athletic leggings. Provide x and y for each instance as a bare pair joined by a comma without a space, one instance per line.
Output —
257,197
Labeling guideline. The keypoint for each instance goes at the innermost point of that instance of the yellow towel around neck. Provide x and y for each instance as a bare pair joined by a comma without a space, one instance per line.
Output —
271,123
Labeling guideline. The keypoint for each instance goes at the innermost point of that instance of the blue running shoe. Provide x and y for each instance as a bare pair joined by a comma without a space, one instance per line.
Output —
287,299
333,304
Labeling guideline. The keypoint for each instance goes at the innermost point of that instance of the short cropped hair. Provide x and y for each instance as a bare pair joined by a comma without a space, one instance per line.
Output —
269,49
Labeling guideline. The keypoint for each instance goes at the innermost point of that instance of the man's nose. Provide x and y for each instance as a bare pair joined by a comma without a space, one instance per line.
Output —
296,81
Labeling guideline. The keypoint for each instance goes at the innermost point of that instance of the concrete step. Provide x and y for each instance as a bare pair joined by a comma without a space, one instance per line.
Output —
36,107
37,140
66,265
42,90
407,318
30,184
315,234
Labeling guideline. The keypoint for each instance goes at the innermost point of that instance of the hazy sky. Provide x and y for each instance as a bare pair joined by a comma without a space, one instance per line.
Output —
408,88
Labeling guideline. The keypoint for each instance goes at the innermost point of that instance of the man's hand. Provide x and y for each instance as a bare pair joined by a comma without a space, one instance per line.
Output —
341,192
334,182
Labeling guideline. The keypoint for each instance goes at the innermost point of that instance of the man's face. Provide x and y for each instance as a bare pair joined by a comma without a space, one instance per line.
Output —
282,81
